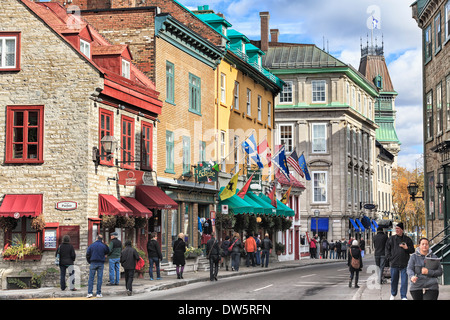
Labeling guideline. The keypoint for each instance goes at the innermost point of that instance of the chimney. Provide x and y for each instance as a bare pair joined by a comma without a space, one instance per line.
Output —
264,30
274,33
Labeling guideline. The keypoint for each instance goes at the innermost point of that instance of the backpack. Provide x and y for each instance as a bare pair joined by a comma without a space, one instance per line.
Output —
355,262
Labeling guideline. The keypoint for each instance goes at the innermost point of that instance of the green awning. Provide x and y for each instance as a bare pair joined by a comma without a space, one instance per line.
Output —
257,208
236,205
288,212
268,208
280,210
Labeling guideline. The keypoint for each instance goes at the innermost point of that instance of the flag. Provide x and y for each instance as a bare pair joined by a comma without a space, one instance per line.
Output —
251,148
273,196
285,197
270,187
243,191
230,189
264,152
293,161
374,23
279,159
214,165
302,163
269,157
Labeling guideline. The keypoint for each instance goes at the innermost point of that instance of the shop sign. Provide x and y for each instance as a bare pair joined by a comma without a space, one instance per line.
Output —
204,172
131,178
66,205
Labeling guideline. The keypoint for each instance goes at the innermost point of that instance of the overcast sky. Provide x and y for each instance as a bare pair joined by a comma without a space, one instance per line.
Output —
342,24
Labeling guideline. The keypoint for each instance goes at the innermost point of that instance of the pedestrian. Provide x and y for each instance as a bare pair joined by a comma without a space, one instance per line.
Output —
379,243
67,257
424,268
266,246
115,249
354,263
213,254
128,258
332,249
154,255
344,246
313,247
362,245
398,249
226,255
338,249
96,255
179,260
250,248
236,246
258,249
325,248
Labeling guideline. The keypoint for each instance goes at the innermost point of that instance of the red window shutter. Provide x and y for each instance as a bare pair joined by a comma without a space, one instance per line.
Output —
106,128
127,142
146,145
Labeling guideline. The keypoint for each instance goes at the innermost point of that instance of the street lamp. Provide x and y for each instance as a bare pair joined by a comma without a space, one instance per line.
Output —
413,188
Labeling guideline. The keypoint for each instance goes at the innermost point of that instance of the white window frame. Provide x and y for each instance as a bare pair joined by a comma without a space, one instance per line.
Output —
322,178
3,52
223,96
126,69
85,48
269,114
447,21
259,108
236,95
315,139
287,94
317,92
249,102
223,149
290,140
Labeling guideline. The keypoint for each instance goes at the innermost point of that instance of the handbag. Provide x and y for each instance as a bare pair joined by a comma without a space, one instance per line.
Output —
140,264
355,262
57,257
230,248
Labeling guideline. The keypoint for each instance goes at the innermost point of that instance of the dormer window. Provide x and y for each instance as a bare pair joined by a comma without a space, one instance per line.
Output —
9,51
125,69
85,48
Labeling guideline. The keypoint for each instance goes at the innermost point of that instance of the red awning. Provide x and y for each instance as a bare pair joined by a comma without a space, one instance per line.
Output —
154,198
139,210
19,205
109,205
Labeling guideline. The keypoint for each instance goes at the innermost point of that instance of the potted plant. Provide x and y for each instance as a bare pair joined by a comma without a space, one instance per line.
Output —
192,253
279,248
21,251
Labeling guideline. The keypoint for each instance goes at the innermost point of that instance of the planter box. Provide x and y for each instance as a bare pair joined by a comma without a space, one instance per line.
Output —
25,258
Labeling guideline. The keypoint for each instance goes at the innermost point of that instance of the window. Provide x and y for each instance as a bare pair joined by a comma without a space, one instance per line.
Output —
24,134
85,48
125,69
127,142
259,108
319,137
236,154
194,94
222,148
286,137
202,151
170,82
431,188
348,94
106,128
223,96
349,141
286,93
170,152
370,110
427,46
447,21
269,114
23,233
439,114
236,95
429,115
186,154
438,33
249,102
9,51
318,91
146,145
447,81
349,187
320,186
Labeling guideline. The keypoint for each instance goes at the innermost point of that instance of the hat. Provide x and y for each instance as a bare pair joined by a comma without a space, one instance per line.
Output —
115,234
400,225
355,243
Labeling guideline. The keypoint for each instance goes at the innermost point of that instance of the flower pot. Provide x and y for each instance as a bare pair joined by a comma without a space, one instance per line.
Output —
24,258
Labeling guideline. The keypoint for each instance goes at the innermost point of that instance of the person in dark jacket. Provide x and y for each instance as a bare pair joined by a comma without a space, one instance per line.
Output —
379,243
236,252
179,260
266,248
354,252
225,253
154,255
398,249
128,258
213,254
115,249
66,260
96,256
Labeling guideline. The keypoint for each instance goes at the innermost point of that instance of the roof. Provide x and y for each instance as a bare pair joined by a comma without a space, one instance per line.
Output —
372,66
386,132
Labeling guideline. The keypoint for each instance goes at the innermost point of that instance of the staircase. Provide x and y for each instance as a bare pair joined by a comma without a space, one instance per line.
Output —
200,263
442,250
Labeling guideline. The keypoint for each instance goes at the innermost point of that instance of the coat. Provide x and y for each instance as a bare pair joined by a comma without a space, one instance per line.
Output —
153,249
397,256
213,250
128,258
428,281
66,254
250,245
179,248
237,245
379,242
96,252
354,251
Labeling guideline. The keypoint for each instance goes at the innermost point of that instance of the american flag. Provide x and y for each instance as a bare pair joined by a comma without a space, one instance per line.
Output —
293,161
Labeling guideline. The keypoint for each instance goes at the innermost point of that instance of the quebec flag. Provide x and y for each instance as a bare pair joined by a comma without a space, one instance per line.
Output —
251,148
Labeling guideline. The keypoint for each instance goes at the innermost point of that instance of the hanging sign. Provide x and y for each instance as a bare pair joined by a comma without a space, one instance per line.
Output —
131,178
66,205
205,172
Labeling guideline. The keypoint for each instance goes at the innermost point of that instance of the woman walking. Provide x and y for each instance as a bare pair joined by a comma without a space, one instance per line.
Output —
66,260
354,262
236,245
179,248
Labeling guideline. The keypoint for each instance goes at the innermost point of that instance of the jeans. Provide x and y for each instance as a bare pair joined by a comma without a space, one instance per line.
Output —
93,268
129,275
235,260
114,270
397,273
62,280
155,260
265,256
380,262
250,256
213,267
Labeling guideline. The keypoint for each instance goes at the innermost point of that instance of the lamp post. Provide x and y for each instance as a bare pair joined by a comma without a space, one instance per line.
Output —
413,188
316,215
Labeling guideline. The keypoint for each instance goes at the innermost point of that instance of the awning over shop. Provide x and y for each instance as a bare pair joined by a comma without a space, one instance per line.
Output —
109,205
288,212
257,208
354,224
322,224
19,205
372,225
139,210
154,198
236,205
375,224
267,208
279,211
360,225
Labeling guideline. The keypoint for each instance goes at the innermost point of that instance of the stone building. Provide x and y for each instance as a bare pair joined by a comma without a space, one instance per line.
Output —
64,88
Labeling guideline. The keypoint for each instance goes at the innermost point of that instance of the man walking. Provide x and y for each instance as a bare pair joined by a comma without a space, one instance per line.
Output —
96,255
398,249
154,255
250,248
379,243
115,249
128,258
213,254
266,247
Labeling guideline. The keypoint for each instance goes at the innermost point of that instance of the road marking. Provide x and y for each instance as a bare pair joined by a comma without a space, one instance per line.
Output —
263,288
309,275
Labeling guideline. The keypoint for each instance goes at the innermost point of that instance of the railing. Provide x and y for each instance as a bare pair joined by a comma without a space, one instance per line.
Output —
442,250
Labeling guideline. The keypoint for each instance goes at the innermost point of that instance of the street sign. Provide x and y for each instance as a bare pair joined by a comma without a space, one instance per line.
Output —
224,209
369,206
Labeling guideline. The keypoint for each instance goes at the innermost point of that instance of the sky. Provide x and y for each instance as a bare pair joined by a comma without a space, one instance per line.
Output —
338,27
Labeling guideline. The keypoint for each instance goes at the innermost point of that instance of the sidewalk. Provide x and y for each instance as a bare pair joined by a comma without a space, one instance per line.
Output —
367,290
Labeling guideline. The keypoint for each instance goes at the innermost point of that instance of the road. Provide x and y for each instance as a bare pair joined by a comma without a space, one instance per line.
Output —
316,282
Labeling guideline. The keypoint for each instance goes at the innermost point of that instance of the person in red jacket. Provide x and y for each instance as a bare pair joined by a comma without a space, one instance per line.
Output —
250,248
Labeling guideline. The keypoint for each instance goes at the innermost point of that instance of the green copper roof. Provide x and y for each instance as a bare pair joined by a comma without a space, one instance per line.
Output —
386,132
